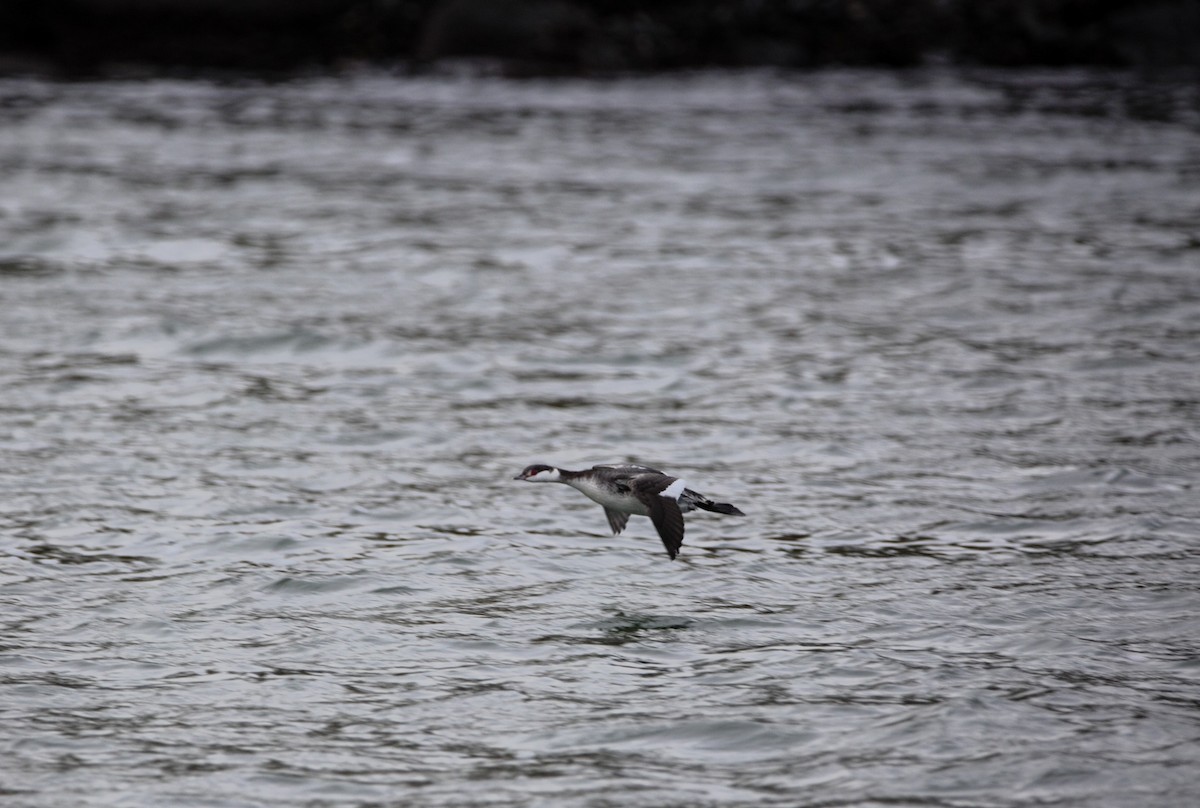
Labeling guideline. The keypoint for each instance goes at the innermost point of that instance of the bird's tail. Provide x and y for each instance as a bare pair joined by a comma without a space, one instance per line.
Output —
717,507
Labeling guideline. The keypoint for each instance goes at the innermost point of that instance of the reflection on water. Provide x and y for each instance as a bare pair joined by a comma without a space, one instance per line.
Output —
271,355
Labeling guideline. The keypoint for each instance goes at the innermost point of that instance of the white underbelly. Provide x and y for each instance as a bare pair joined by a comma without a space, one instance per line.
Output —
626,503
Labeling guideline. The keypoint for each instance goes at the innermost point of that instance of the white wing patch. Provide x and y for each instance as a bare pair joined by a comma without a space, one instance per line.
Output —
674,490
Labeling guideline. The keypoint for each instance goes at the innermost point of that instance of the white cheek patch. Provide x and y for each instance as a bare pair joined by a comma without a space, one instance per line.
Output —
674,490
550,476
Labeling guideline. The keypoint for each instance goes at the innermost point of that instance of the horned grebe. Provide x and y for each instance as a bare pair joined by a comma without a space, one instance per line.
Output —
625,489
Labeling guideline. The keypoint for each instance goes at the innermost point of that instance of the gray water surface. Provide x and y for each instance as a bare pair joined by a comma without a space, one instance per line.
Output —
270,355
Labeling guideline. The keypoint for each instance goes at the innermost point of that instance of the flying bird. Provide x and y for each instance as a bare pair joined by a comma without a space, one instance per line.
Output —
629,489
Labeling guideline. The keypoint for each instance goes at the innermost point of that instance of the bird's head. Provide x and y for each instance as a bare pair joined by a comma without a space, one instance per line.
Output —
539,473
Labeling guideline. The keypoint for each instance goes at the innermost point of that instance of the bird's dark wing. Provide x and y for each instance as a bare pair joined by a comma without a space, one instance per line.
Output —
648,483
631,468
668,521
616,520
664,510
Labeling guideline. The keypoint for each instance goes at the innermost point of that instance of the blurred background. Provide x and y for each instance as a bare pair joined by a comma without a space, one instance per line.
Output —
595,36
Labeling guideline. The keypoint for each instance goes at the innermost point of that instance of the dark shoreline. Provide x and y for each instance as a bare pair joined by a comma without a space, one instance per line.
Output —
589,37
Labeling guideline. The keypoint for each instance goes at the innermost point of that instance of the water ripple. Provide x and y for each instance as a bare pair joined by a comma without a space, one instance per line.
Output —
273,352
